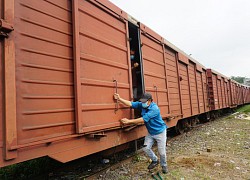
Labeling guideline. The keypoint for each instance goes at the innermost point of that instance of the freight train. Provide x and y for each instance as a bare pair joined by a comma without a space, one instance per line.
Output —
61,63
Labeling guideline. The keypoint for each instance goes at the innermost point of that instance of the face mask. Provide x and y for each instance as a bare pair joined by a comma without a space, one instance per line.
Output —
145,105
132,57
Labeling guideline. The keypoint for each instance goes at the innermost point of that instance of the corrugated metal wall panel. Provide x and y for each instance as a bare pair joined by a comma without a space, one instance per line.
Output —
104,58
44,70
237,94
248,97
220,98
223,97
222,94
210,90
185,93
173,82
244,94
241,95
193,88
243,90
233,86
247,94
230,93
205,89
234,93
154,72
226,92
200,92
215,92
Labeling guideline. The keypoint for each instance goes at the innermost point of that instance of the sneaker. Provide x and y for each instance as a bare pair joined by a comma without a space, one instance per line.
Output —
153,164
164,169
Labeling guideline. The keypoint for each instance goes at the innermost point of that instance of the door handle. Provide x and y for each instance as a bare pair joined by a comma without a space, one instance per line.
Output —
156,90
116,91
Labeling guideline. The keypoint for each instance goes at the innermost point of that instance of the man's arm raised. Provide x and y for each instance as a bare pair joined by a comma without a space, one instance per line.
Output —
123,101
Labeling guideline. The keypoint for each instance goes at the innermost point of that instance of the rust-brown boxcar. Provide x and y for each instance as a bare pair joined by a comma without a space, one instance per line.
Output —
219,90
62,64
233,96
64,61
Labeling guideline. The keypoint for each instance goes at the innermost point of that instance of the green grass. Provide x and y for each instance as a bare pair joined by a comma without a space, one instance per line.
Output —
244,109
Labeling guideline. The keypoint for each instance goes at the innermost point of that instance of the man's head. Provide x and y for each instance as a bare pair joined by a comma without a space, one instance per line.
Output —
146,99
132,54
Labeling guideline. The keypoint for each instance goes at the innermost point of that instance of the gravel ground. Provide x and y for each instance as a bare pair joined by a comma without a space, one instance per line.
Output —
216,150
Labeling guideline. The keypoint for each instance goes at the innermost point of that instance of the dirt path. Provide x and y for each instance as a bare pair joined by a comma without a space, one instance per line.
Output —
227,138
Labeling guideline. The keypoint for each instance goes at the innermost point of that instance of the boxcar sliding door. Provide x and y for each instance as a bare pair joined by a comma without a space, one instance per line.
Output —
154,69
101,65
173,83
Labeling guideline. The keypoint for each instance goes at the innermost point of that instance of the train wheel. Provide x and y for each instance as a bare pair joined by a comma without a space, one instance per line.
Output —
194,122
180,127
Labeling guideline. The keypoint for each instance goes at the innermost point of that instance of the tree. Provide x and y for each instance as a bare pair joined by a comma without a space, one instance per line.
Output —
239,79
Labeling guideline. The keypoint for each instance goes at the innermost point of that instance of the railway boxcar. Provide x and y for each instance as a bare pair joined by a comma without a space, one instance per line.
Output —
219,90
178,82
233,94
248,95
61,66
245,94
241,94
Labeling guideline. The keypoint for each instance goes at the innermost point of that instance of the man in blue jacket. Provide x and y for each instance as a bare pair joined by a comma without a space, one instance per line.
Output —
156,127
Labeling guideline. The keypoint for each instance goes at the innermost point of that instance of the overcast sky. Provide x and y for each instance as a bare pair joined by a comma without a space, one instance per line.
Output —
215,32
